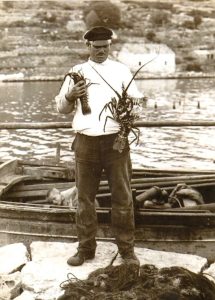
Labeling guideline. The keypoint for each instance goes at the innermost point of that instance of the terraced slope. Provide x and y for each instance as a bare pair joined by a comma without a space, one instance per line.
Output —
44,38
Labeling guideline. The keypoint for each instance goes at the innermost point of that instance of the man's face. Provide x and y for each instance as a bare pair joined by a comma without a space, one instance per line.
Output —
99,50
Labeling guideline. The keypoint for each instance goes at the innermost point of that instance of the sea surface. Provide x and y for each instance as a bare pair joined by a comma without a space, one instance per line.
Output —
167,147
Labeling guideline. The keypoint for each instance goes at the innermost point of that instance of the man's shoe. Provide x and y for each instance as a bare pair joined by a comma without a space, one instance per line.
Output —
129,257
79,258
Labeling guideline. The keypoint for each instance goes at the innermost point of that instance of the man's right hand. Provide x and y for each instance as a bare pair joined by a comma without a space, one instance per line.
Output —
77,91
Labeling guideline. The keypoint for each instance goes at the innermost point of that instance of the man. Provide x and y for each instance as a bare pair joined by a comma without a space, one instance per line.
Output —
93,145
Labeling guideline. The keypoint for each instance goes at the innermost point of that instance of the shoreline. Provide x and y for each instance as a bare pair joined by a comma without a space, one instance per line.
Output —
180,75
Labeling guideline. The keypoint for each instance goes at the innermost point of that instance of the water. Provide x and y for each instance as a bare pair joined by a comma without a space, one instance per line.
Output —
189,147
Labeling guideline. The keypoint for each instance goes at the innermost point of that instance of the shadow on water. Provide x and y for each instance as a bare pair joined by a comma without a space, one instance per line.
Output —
191,99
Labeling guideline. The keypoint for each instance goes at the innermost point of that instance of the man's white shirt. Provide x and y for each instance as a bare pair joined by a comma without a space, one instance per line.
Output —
99,93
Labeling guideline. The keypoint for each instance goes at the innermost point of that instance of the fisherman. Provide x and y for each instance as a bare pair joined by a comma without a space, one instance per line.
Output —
93,145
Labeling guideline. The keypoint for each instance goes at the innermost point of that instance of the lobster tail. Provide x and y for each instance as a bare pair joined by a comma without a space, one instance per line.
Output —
86,110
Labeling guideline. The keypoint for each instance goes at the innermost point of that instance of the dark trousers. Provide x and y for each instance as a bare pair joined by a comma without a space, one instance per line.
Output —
93,155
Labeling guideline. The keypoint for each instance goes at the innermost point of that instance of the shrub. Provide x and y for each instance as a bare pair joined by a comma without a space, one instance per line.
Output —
189,58
127,24
150,35
50,17
47,16
19,23
194,67
160,18
195,12
102,13
8,4
197,20
4,46
188,25
151,4
178,60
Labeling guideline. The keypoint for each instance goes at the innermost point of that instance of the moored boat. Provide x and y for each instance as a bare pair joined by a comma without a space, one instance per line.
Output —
26,215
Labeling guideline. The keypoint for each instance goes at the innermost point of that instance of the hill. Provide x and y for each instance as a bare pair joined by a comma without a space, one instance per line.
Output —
44,38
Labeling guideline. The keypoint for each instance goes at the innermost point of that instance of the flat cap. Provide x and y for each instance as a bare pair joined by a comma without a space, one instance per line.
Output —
98,33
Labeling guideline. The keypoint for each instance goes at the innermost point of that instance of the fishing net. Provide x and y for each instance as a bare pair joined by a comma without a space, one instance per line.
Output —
104,283
126,282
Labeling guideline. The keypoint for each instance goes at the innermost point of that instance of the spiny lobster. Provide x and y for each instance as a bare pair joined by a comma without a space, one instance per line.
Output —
76,77
122,112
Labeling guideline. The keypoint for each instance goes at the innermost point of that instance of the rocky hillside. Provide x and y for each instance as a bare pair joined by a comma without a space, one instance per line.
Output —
44,38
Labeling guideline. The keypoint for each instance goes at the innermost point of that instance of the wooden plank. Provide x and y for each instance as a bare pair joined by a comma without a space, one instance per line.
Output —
165,184
209,206
64,185
41,172
42,186
46,163
29,195
9,175
26,194
142,217
175,218
187,178
8,167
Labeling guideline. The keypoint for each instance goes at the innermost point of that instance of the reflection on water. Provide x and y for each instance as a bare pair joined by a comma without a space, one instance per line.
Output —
191,99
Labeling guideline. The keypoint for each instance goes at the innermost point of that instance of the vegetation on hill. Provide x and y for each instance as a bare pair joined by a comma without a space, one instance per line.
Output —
39,37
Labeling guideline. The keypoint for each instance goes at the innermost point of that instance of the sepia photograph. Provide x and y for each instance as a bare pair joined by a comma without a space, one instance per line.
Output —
107,150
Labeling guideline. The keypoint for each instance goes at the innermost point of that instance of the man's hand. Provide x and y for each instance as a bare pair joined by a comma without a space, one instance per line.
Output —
78,90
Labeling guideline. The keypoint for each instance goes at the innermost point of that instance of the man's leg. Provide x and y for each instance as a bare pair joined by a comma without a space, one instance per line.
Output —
122,203
86,218
118,169
88,173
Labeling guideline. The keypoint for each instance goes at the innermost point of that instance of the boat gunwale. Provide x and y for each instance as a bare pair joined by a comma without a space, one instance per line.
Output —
66,209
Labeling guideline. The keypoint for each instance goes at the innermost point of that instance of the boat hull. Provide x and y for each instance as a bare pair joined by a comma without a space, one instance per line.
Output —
187,232
26,216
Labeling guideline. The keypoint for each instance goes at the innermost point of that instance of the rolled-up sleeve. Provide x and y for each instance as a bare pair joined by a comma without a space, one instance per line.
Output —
64,106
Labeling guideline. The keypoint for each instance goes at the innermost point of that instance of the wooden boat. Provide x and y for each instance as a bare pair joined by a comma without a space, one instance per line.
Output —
25,215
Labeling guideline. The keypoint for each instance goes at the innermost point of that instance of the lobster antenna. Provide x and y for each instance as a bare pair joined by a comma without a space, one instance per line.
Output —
106,82
135,74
